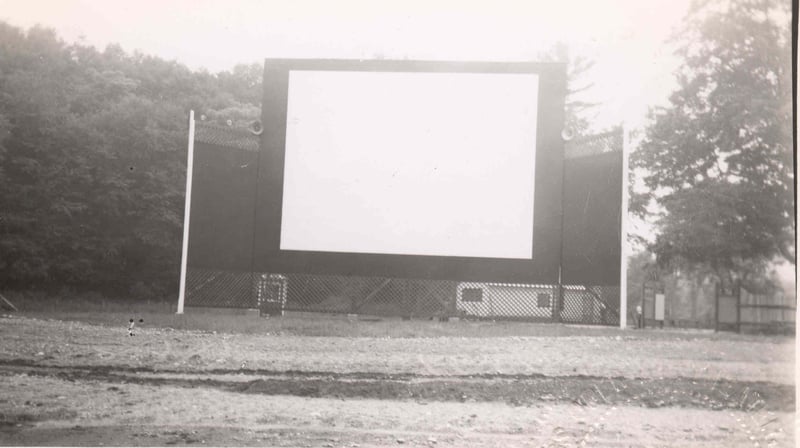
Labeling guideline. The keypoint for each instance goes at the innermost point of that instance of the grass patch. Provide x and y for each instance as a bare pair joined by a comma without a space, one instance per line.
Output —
318,325
338,326
97,310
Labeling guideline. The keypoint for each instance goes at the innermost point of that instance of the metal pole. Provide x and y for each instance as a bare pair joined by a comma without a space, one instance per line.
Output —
716,307
623,271
640,317
738,292
558,300
187,209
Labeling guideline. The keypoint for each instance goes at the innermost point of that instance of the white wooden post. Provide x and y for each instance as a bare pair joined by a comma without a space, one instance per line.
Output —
187,209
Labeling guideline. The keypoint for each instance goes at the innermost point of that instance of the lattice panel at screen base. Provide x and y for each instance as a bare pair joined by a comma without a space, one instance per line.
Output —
275,294
590,305
371,295
507,301
221,289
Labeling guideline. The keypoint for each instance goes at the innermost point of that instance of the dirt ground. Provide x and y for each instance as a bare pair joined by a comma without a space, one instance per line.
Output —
73,383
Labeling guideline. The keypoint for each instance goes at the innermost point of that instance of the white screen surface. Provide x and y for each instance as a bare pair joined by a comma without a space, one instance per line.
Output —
404,163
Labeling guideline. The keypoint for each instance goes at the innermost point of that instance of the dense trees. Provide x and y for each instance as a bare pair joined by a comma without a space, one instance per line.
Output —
92,161
717,161
578,112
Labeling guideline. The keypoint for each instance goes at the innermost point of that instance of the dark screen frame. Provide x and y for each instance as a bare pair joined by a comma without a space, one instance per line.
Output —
547,232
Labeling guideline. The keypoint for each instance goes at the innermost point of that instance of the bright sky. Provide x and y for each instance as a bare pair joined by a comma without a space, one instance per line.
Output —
626,38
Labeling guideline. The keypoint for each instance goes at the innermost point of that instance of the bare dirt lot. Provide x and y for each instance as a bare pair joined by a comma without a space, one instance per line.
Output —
85,382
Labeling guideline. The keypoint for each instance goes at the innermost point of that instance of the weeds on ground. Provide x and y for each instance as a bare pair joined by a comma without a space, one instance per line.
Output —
101,310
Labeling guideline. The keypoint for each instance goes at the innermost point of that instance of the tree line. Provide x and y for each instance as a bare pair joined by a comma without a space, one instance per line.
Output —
93,161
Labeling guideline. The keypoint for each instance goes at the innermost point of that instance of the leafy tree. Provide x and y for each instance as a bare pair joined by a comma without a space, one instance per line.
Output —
238,115
93,161
717,161
244,82
578,111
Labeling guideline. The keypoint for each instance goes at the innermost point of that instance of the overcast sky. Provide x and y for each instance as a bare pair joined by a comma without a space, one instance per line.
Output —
626,38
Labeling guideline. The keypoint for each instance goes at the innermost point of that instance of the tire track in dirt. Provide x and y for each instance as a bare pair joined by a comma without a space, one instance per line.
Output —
511,389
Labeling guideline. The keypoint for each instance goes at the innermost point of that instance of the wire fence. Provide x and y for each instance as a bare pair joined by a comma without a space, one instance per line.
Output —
590,304
220,289
275,294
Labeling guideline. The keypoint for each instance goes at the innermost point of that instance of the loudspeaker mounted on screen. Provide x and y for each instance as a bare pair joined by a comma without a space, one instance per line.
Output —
256,128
